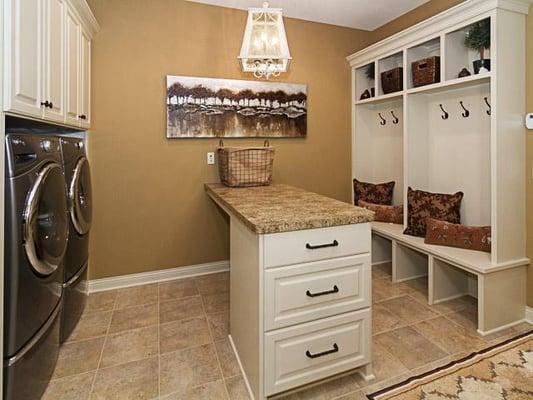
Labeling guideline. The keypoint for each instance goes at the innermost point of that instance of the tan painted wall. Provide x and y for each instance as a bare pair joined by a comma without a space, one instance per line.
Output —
150,209
413,17
435,6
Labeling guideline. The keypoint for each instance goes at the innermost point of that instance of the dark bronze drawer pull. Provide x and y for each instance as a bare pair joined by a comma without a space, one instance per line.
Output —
324,353
321,246
334,290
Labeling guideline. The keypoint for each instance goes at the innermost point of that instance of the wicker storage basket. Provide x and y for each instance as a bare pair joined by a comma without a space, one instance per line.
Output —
426,71
245,166
392,80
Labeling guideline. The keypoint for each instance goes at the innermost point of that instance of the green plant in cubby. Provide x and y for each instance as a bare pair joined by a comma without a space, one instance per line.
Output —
478,38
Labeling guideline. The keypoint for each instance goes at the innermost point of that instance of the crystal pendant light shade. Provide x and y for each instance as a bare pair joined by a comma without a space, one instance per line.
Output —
264,50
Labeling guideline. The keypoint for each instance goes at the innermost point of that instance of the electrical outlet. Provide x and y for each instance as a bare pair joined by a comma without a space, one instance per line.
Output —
210,158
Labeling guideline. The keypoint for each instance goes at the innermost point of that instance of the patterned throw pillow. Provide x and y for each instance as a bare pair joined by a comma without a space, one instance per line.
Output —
422,205
380,193
454,235
384,213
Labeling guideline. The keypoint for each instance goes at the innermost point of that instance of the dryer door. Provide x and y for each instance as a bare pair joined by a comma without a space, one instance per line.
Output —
46,221
80,197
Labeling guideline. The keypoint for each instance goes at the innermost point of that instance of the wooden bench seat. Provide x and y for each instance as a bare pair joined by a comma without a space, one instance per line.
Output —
452,273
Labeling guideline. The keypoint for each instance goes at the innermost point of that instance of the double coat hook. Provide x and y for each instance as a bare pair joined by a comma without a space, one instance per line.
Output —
383,120
395,118
465,112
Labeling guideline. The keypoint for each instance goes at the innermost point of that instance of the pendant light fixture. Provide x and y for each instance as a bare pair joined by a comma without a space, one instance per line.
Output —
265,51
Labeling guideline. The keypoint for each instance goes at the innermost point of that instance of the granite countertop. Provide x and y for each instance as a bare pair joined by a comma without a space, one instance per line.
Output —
284,208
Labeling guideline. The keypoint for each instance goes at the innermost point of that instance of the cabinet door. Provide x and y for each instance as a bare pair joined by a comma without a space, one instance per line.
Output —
54,56
72,30
85,81
24,56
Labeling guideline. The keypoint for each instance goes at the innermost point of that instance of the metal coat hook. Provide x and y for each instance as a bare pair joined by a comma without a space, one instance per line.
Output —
488,105
444,115
383,120
465,113
395,118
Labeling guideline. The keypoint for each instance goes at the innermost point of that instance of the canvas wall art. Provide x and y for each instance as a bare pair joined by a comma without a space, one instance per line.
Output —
209,108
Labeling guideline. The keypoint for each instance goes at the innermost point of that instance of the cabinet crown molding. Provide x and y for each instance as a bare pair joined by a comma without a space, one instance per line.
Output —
456,15
86,16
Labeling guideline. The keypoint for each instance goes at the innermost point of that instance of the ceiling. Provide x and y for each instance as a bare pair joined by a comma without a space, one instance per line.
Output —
361,14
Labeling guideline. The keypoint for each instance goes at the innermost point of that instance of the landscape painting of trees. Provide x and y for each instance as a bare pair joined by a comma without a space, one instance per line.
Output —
207,108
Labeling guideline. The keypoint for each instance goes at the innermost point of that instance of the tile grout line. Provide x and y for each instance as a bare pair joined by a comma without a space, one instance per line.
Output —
213,342
90,337
103,347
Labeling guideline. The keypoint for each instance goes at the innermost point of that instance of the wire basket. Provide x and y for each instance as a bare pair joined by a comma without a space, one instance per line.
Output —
245,166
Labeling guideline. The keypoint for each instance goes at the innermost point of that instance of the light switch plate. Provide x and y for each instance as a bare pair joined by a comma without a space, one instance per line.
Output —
210,158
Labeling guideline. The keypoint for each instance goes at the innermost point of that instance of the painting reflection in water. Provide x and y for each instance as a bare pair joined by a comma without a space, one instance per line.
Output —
207,108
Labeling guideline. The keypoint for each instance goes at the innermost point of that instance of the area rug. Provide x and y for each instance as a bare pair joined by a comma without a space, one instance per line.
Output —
500,372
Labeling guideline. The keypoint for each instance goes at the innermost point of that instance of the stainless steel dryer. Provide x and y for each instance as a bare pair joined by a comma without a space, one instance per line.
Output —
36,233
78,178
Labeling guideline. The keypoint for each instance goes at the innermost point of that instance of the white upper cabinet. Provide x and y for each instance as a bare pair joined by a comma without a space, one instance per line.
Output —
54,60
23,56
85,87
73,68
47,58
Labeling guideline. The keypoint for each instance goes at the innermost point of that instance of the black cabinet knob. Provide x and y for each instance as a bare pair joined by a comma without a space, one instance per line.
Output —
45,103
82,116
51,105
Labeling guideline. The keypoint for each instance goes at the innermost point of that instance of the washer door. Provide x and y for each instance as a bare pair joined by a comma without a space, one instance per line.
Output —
80,197
46,221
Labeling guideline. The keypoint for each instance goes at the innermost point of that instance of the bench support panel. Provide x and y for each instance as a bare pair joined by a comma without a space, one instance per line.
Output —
447,282
381,250
502,299
407,263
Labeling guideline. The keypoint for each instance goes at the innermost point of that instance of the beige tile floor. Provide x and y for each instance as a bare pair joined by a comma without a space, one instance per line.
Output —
168,341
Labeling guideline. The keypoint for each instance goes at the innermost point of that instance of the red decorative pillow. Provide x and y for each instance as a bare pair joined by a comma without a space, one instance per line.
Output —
455,235
423,205
380,193
384,213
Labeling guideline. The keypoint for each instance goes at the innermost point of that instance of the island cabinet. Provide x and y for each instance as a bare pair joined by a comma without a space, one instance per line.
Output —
300,286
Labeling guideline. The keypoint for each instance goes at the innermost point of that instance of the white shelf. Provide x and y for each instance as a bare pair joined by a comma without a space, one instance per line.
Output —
381,99
457,83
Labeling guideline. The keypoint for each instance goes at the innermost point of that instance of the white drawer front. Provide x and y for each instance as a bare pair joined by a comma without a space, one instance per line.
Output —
316,244
319,289
293,355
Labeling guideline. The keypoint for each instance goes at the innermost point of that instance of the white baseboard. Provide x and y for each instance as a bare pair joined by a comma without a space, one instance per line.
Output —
500,328
410,278
529,314
116,282
455,296
243,373
381,262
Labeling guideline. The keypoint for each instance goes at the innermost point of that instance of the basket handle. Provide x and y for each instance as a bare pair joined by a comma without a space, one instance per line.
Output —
266,144
220,143
423,65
